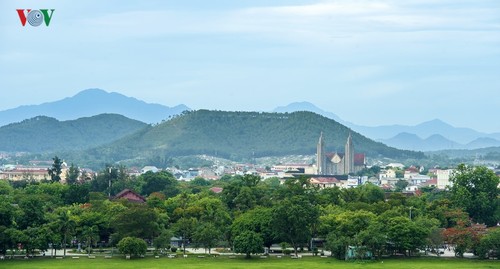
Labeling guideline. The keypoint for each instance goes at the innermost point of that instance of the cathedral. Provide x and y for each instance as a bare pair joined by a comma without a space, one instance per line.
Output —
338,163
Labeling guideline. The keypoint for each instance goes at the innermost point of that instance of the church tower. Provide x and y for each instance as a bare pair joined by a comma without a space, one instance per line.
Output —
349,156
321,156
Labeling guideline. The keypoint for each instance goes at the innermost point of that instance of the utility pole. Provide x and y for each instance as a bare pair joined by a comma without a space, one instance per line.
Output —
109,182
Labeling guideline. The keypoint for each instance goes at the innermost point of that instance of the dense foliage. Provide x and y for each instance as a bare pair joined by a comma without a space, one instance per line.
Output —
44,134
132,246
249,214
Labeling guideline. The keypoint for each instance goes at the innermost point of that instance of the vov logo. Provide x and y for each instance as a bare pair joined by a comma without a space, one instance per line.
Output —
35,17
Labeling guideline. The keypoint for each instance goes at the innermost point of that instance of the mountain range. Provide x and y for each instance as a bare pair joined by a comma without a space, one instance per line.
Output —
438,134
93,102
240,136
428,136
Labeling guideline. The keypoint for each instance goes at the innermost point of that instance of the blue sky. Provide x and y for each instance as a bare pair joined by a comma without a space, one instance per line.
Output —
372,62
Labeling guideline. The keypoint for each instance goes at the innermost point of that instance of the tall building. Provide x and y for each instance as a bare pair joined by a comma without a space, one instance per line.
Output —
349,156
321,156
338,163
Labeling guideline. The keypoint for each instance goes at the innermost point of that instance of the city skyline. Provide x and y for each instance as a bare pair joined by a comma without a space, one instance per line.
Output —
370,62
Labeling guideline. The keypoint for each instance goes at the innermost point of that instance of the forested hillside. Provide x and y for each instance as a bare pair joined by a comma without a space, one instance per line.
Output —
242,135
45,134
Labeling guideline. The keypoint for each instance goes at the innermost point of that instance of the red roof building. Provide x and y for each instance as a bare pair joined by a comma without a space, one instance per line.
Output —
130,196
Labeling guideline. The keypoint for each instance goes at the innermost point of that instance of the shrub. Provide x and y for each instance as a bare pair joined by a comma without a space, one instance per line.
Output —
132,246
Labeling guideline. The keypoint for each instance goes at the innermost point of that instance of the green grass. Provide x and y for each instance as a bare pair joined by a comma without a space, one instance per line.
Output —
239,263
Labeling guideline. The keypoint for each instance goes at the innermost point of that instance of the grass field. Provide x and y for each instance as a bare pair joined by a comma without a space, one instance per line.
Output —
223,262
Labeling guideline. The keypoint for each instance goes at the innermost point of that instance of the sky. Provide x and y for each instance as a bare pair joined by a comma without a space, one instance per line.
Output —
371,62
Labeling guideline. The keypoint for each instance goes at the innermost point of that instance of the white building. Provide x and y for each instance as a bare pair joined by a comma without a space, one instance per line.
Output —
443,178
389,173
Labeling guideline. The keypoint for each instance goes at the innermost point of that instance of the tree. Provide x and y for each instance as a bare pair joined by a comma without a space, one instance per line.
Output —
162,242
490,244
65,225
137,221
293,220
406,235
374,238
212,210
207,235
464,237
370,193
258,220
435,239
475,189
32,211
72,174
401,185
337,245
37,238
162,181
248,242
91,236
185,227
330,196
132,246
77,194
56,169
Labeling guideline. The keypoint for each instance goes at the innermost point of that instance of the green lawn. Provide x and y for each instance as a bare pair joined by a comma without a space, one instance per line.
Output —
224,262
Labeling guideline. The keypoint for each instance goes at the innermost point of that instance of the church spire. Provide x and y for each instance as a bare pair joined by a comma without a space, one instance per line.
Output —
321,156
349,155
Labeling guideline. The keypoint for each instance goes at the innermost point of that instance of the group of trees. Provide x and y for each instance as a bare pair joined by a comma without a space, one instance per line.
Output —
249,215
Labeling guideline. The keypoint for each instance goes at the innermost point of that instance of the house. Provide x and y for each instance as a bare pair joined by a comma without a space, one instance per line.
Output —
325,182
430,183
411,188
129,195
176,242
387,173
216,189
395,165
149,169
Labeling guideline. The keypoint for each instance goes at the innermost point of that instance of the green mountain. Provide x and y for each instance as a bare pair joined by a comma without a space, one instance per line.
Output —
45,134
241,136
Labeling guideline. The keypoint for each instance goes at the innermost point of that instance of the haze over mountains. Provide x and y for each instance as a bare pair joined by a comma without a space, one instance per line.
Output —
427,136
93,102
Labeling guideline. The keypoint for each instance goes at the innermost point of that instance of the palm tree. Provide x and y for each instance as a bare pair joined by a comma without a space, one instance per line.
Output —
91,235
65,225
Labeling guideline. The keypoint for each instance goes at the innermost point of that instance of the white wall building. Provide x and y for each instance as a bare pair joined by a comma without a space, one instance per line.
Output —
443,178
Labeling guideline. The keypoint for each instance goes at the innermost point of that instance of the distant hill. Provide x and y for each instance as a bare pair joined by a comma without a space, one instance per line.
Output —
93,102
425,129
413,142
241,136
480,155
483,142
454,135
306,106
45,134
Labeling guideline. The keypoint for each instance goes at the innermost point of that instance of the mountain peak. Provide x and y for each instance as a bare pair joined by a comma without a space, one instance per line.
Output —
92,102
91,92
435,123
307,106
